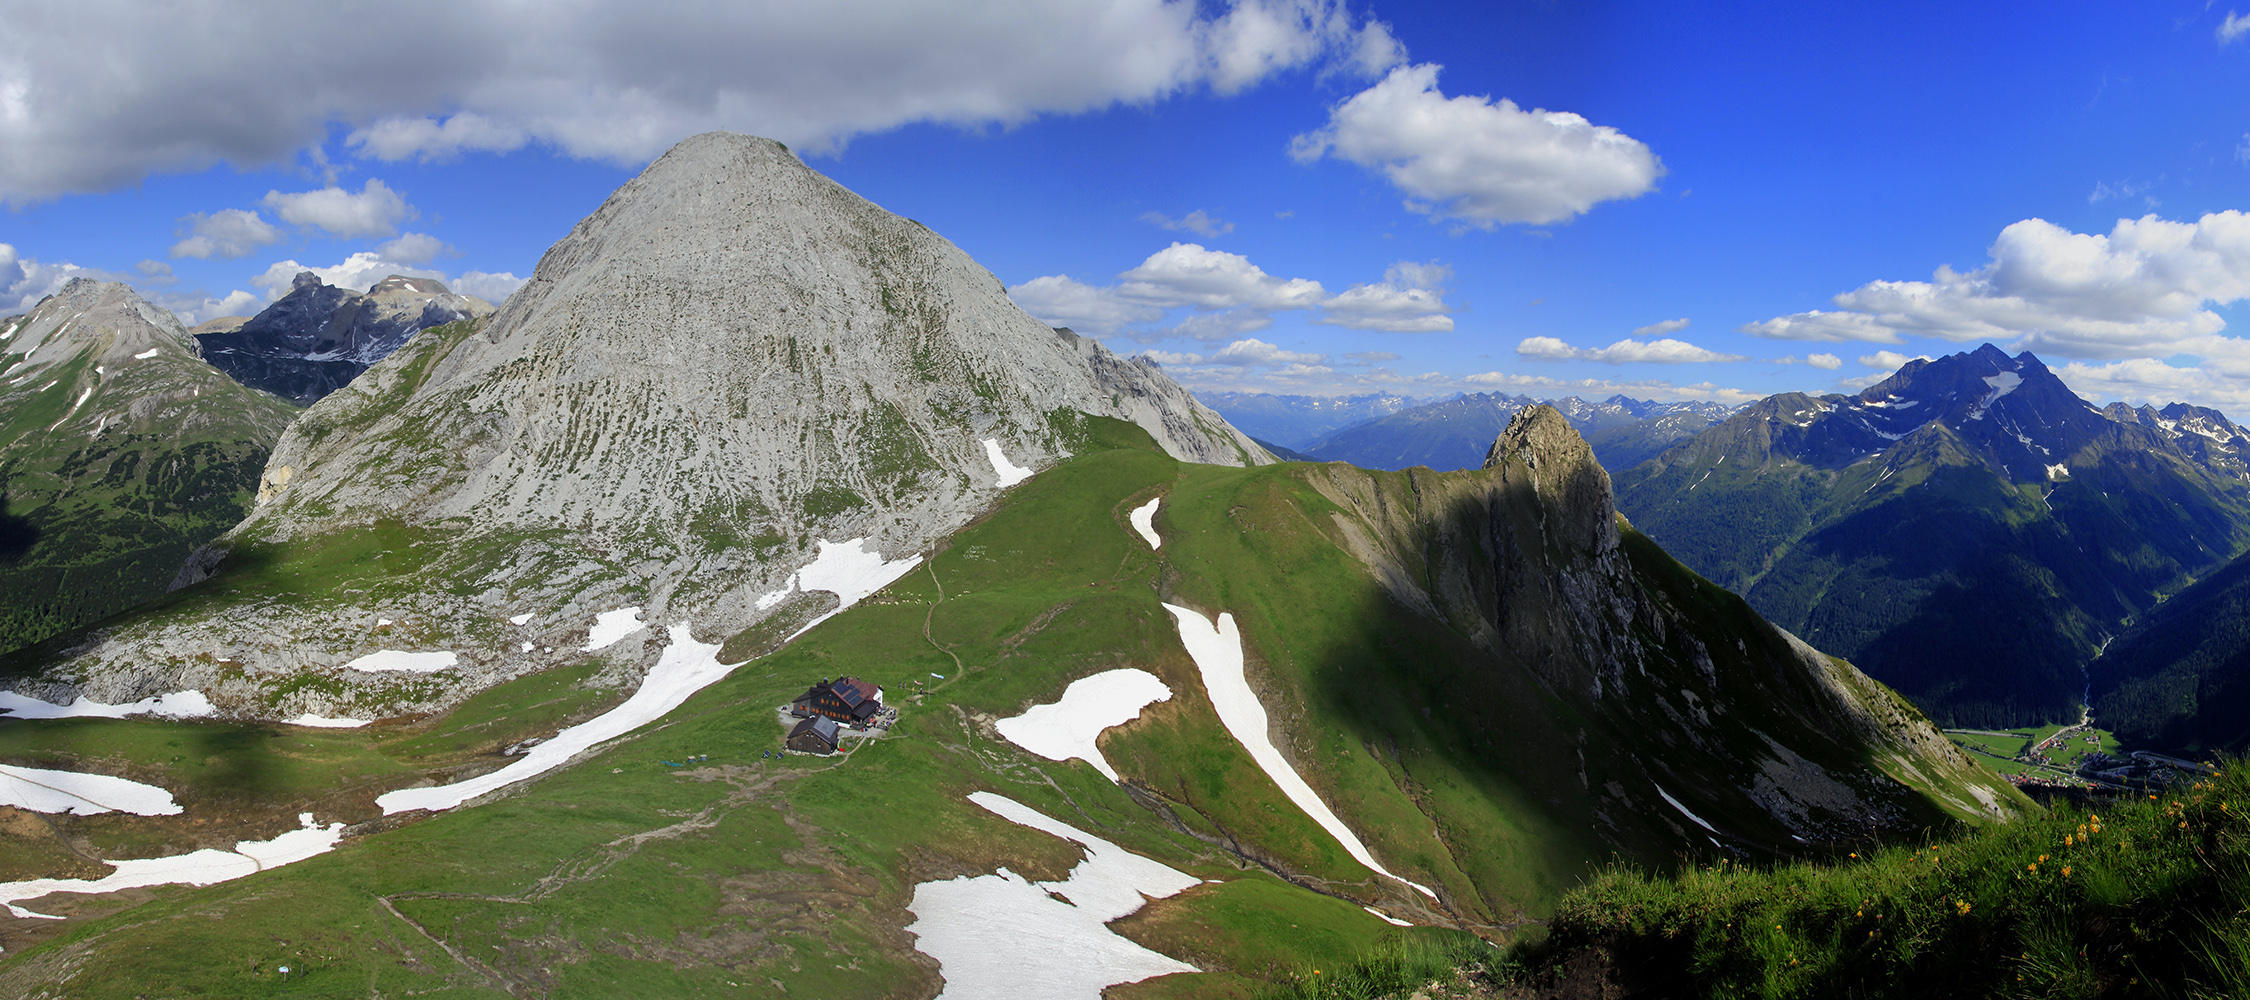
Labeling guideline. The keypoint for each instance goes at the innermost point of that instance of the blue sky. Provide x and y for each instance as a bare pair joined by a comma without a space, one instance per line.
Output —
1281,196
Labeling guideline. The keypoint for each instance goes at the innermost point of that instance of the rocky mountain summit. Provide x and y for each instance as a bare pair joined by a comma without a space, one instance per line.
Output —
120,452
316,339
732,369
1685,694
1969,530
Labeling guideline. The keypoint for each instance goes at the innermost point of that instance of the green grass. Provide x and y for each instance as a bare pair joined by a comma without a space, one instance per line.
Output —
757,875
2142,898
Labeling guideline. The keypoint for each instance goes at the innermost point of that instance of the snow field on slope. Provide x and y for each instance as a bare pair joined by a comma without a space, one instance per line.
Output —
849,569
1217,652
686,666
1144,521
204,867
1009,472
312,721
611,626
177,705
41,790
387,660
1069,728
1004,936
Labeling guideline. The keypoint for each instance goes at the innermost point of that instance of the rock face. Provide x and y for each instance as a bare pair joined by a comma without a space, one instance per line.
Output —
733,360
1678,691
120,452
316,339
1968,530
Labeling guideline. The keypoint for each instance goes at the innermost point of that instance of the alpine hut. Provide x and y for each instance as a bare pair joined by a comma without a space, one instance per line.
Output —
848,700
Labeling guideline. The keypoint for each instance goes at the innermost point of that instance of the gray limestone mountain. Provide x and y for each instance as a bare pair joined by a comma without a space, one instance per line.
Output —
316,339
732,368
120,452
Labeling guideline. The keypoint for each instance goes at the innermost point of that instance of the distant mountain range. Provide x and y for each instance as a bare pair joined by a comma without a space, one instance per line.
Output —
1968,530
1454,433
316,339
1298,422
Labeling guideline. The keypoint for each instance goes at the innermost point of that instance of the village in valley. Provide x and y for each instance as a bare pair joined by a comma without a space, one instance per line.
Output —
2080,758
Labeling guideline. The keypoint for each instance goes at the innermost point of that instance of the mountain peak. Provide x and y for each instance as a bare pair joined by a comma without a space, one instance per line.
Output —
729,369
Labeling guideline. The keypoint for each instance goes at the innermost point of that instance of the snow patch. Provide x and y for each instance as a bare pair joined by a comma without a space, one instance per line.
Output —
527,647
177,705
82,397
1386,918
2002,384
850,570
685,667
1684,811
145,355
1217,652
41,790
2058,471
399,660
1002,935
312,721
1010,473
204,867
611,626
1068,728
520,620
1144,521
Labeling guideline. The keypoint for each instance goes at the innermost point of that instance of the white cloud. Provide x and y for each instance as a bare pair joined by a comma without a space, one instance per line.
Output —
100,93
413,248
1889,361
1058,300
1195,222
1370,357
1258,352
2142,290
1409,299
156,272
1665,352
24,280
493,288
1826,362
228,233
1211,327
2104,190
358,272
1660,329
2233,27
2223,384
196,308
1479,161
375,211
1186,274
1172,358
1232,296
362,270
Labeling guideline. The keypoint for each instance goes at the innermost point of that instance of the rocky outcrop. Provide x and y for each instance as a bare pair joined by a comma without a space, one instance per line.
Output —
1528,559
318,338
729,362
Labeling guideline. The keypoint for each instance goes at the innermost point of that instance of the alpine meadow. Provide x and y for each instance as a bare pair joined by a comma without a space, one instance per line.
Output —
1123,499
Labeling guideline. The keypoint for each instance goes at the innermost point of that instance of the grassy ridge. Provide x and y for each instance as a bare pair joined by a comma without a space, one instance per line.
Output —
2144,898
